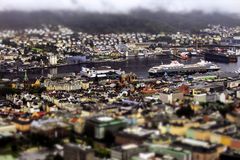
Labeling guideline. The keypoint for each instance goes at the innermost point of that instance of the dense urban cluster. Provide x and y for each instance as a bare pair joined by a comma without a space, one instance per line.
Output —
182,112
57,45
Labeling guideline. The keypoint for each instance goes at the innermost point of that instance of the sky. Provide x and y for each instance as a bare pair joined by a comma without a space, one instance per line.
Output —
122,6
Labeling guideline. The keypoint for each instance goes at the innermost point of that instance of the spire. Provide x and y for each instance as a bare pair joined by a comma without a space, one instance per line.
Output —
165,74
25,76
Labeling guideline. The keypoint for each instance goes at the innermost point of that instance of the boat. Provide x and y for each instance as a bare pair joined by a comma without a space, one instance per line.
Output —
184,55
195,54
238,52
176,68
149,54
221,56
163,53
101,72
181,55
140,54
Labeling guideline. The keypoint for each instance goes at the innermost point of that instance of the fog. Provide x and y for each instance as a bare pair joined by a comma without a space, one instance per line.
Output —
122,6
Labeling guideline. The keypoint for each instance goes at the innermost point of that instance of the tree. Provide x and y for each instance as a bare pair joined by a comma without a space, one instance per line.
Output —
14,147
102,152
185,111
72,137
58,157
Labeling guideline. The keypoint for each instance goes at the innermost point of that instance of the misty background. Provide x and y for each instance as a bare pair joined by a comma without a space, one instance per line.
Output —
105,16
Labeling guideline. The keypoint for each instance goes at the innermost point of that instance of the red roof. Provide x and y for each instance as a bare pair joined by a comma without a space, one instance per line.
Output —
74,120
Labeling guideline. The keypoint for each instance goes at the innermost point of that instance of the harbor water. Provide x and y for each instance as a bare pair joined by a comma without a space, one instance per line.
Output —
137,65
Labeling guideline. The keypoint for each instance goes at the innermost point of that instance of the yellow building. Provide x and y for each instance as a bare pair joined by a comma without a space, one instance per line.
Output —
36,84
22,124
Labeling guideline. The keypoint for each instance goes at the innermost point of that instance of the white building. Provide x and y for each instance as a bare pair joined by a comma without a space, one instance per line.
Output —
170,97
53,59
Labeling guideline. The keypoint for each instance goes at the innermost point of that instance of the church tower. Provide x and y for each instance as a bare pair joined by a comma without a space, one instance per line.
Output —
25,76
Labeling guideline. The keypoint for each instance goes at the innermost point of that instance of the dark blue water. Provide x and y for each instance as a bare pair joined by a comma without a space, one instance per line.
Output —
140,66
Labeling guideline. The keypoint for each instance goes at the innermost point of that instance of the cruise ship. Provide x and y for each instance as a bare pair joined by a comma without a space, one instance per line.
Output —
101,72
175,68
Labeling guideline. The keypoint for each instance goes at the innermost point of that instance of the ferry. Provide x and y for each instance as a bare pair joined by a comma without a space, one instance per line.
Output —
101,72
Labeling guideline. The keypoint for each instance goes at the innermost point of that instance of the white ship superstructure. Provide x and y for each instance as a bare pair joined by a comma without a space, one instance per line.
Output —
177,68
101,72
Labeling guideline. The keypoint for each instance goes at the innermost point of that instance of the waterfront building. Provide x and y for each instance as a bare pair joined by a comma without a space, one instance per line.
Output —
22,124
53,60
